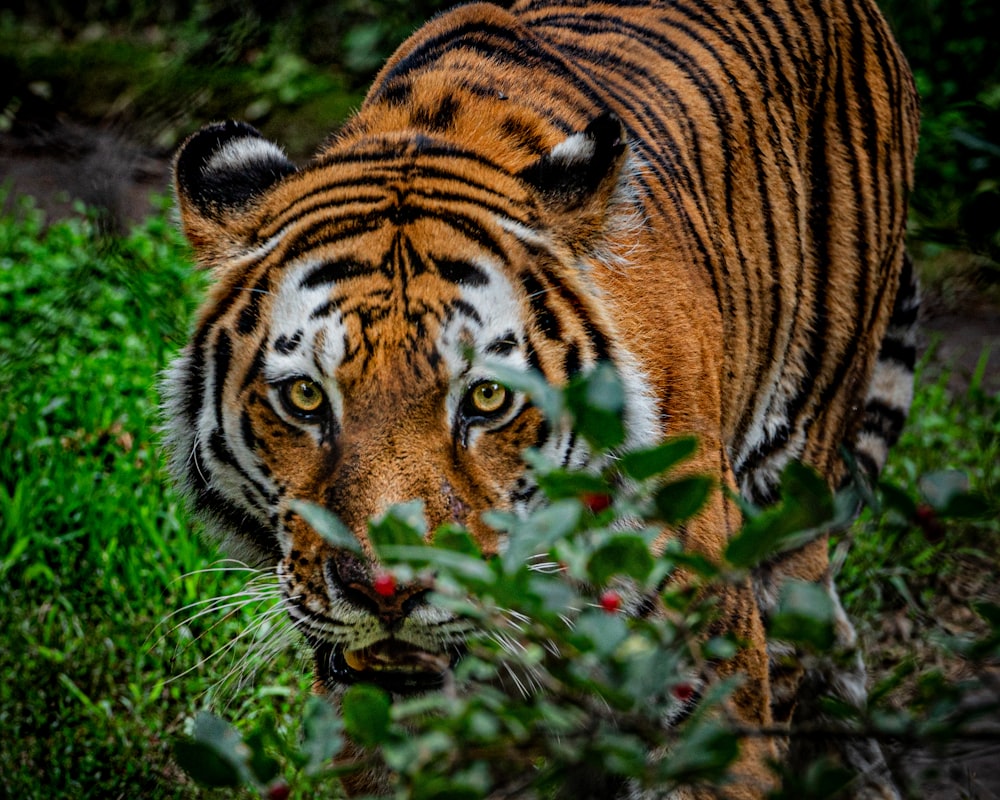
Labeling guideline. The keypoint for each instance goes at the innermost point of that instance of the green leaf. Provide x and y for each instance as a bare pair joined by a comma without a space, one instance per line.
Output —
202,762
720,648
553,594
822,779
644,464
321,734
402,525
541,530
622,753
441,788
216,731
940,488
264,767
701,754
365,711
473,567
679,500
896,498
621,555
457,540
596,399
968,505
601,632
559,484
805,512
805,616
326,524
412,754
645,664
216,755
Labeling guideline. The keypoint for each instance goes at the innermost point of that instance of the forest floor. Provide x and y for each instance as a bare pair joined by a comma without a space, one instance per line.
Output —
62,162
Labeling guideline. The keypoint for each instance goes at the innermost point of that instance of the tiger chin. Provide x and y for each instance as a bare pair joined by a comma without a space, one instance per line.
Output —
709,197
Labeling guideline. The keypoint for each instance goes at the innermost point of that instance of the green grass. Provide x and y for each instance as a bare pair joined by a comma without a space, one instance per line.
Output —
98,677
93,543
950,438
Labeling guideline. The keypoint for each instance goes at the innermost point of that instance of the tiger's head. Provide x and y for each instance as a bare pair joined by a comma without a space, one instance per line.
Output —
343,358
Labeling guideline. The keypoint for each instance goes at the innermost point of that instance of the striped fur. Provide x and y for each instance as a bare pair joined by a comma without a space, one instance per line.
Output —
711,196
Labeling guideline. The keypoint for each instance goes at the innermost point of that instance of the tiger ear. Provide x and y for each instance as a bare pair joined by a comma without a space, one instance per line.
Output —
581,174
220,174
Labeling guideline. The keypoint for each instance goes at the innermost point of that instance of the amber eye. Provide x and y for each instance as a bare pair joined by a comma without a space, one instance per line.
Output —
487,398
303,397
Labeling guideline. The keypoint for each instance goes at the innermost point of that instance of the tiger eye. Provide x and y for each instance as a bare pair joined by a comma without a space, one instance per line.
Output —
488,397
305,396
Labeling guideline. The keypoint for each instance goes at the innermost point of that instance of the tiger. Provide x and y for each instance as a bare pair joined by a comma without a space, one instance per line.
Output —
710,197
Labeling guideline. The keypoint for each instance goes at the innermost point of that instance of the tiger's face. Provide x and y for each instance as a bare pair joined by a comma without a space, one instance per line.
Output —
344,359
373,390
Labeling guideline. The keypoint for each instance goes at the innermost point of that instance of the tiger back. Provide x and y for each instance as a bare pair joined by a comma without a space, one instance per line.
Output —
712,197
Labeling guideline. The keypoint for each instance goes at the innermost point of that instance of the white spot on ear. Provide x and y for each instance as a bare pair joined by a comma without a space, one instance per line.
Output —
244,153
578,148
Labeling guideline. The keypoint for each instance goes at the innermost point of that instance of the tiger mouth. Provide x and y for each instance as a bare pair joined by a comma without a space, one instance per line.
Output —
395,666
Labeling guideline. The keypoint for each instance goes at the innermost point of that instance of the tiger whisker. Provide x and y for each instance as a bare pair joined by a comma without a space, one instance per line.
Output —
264,643
251,630
226,607
225,603
530,671
224,565
251,590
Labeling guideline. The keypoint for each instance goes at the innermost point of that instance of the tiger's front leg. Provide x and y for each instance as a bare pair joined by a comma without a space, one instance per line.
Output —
737,614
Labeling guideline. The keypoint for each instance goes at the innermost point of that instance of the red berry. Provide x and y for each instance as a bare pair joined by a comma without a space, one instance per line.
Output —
611,601
596,502
278,790
385,584
683,692
929,522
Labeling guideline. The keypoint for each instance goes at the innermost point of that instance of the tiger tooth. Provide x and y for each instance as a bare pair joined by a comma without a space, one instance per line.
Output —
355,660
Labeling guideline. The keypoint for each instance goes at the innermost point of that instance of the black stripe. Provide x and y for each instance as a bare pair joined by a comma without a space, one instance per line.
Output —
250,440
285,345
381,164
255,368
461,272
439,118
523,133
332,272
221,359
250,316
897,351
502,345
598,340
236,521
500,44
195,365
467,309
219,448
572,363
546,319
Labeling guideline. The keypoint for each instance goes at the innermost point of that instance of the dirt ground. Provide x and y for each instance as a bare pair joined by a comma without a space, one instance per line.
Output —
59,164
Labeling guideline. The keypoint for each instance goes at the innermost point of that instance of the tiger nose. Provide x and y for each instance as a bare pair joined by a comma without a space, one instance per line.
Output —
368,587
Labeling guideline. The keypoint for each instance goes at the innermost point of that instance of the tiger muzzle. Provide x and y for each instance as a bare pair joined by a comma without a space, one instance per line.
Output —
396,665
